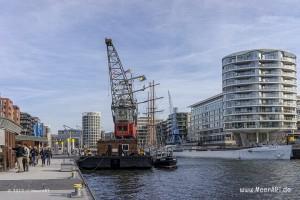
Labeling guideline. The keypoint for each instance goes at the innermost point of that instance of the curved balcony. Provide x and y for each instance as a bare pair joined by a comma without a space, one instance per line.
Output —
259,128
261,65
240,113
293,91
271,87
239,76
255,104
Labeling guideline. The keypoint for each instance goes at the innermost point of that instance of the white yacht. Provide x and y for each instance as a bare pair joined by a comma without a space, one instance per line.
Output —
267,152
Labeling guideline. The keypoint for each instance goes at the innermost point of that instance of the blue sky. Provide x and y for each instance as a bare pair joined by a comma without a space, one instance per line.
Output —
53,57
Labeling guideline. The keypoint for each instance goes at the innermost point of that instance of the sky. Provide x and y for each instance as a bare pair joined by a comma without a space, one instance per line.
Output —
53,57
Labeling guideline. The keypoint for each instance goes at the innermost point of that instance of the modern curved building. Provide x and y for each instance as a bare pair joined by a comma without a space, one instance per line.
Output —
91,129
259,102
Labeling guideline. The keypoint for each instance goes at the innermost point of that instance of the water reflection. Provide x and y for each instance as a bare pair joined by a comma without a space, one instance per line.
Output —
199,179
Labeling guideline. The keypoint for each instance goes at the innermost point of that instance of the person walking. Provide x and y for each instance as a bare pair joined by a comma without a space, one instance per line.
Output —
43,156
33,153
48,156
38,155
30,158
26,158
19,155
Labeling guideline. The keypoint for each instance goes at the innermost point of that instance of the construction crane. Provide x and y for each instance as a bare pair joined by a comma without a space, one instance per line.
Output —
70,140
174,135
123,105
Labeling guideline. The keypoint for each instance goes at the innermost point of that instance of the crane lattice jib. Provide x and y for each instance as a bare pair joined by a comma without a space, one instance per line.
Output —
123,103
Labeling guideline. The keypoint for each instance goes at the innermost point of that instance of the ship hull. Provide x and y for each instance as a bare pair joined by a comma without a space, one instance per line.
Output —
114,162
271,152
168,162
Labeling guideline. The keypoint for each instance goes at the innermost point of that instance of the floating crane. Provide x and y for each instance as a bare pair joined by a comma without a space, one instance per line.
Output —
123,105
120,152
174,136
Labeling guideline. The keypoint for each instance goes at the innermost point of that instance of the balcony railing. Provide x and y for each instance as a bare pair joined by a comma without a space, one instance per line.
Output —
270,57
289,89
271,118
237,67
237,103
271,65
291,67
290,104
269,80
270,95
293,60
289,82
240,96
278,74
259,126
234,75
270,88
288,74
243,119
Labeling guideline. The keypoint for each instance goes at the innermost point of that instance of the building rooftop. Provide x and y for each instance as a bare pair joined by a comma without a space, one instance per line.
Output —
213,98
261,50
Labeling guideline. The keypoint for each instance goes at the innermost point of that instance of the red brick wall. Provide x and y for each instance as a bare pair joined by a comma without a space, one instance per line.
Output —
10,142
9,110
16,114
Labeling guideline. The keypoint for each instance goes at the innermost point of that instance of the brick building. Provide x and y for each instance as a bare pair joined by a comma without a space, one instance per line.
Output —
9,128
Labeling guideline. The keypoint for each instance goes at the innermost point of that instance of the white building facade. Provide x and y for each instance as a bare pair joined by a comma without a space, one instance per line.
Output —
143,130
259,88
258,104
91,129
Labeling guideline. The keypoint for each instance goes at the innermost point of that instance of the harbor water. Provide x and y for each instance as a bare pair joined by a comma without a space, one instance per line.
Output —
201,179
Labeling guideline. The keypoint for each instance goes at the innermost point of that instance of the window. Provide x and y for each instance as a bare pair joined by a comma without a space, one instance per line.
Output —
122,128
125,147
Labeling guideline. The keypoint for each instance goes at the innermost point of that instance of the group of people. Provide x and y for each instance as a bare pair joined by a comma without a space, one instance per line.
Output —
29,156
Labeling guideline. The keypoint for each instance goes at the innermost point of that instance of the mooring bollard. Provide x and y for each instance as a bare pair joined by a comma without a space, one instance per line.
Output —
78,191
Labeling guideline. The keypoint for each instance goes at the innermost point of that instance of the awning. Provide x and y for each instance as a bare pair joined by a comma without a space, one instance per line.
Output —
31,138
10,125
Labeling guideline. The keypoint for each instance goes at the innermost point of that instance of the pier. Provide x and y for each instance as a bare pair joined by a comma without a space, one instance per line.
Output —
48,182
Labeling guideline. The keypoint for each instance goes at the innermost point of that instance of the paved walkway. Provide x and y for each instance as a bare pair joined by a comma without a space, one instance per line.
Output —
39,183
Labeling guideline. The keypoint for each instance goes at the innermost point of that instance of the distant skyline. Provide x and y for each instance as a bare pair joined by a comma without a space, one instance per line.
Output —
53,56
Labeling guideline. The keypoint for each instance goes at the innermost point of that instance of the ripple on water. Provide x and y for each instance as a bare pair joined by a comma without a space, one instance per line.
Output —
198,179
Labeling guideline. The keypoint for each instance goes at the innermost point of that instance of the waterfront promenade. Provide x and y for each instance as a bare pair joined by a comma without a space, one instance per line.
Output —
47,182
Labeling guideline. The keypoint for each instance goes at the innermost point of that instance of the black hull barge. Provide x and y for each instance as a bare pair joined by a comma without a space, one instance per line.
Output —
114,162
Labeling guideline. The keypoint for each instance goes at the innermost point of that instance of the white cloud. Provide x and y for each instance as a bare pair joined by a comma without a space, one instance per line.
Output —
53,57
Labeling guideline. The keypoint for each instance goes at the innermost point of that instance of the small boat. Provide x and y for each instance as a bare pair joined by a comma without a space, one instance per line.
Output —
164,159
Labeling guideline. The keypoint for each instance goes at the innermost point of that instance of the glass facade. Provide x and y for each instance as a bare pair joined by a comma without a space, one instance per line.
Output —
207,122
